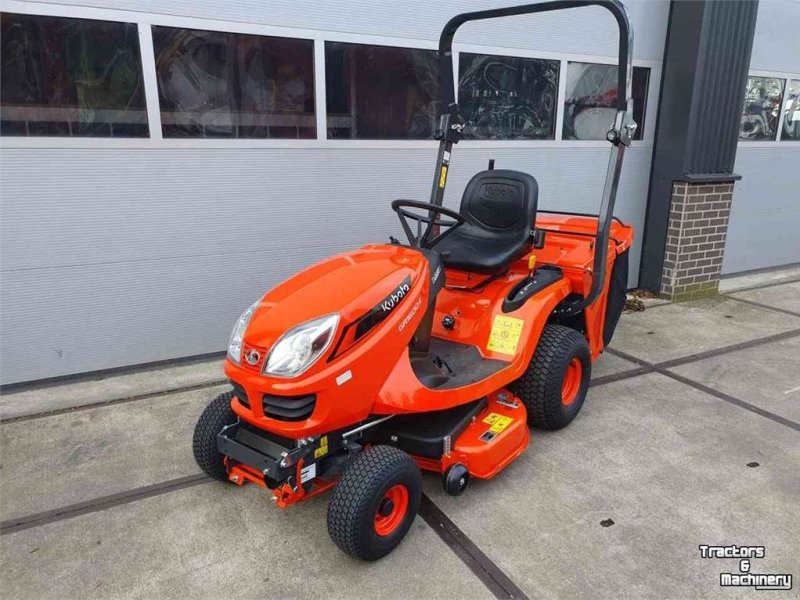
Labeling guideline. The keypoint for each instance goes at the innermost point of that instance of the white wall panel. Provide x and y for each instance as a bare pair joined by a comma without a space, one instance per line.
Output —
764,228
112,257
776,46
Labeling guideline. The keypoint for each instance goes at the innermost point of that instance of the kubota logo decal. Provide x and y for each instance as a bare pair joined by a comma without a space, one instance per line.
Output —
383,309
391,301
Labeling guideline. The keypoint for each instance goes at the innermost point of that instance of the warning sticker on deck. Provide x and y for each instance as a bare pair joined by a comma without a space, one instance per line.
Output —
498,422
505,334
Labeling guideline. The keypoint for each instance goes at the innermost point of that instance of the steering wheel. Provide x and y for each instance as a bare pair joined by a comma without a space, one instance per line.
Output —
431,235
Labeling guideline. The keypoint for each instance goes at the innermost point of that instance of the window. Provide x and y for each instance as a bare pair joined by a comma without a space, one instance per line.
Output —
230,85
762,102
589,106
791,112
507,98
381,92
70,77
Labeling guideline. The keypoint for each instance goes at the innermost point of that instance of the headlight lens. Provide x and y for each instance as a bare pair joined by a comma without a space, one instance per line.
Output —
300,347
237,335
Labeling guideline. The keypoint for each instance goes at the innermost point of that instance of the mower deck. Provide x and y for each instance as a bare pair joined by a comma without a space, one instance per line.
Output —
483,436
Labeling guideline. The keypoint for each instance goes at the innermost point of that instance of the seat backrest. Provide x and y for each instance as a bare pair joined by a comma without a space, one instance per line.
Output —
501,204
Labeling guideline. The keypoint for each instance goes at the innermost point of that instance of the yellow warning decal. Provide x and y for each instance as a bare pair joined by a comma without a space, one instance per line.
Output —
443,176
498,422
323,447
505,333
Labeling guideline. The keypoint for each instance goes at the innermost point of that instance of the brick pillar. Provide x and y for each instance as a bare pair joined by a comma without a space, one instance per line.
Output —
698,224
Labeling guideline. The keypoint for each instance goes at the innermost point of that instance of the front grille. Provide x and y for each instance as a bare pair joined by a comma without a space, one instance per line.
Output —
289,408
241,394
253,357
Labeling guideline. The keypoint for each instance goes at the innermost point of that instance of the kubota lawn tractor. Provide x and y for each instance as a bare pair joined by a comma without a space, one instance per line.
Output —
437,354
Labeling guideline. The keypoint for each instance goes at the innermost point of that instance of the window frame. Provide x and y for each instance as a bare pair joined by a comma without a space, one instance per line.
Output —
787,76
642,129
782,115
144,21
559,76
132,35
234,112
365,46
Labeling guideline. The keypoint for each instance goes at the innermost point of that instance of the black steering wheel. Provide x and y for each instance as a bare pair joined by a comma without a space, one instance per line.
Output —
432,234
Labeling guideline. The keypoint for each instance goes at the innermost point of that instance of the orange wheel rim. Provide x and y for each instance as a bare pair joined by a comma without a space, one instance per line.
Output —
391,510
572,382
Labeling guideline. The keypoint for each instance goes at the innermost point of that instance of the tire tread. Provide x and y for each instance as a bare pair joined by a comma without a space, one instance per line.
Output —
539,388
351,498
216,415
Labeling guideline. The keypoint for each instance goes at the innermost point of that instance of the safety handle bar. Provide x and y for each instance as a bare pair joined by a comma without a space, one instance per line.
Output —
624,69
450,124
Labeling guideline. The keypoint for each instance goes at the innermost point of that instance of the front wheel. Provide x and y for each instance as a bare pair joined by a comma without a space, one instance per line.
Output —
375,502
217,415
554,386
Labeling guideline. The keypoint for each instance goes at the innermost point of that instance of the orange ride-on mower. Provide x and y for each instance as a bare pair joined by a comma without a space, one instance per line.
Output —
437,354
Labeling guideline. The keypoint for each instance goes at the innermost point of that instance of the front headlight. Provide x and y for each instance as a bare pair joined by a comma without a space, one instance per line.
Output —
300,347
237,335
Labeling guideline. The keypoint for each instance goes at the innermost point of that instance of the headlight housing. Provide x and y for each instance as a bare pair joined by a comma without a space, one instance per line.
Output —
237,335
300,347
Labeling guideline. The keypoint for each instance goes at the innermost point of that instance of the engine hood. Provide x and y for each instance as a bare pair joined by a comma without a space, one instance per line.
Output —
351,284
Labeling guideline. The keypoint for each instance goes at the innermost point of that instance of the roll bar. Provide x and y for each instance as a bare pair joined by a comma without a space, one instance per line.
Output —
451,125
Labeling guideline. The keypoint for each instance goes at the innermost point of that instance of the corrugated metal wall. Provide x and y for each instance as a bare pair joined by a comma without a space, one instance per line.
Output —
764,227
119,256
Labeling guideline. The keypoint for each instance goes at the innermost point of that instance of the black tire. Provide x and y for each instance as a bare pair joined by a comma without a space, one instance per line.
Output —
540,388
361,493
217,415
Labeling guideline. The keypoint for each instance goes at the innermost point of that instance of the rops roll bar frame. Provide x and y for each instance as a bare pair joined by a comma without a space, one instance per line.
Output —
450,125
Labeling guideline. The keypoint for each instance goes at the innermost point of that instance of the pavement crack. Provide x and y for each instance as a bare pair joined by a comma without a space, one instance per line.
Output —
791,313
147,396
663,369
492,576
102,503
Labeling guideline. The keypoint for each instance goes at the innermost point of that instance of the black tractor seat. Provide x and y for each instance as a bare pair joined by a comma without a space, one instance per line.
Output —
500,210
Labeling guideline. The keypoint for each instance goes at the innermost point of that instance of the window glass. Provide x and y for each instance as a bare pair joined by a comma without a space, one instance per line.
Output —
762,102
591,94
70,77
231,85
381,92
507,98
791,112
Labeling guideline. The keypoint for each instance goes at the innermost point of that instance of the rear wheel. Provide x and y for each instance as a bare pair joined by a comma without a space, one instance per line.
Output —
217,415
375,502
554,386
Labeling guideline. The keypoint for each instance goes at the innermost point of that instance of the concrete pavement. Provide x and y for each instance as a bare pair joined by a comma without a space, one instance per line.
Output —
671,454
